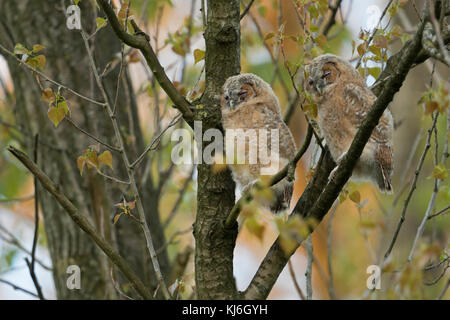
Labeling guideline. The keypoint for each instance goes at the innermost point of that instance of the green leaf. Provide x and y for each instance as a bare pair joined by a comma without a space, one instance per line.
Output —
374,72
101,23
106,158
199,55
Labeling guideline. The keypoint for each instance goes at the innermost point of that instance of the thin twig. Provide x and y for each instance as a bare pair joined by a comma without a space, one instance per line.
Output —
247,8
156,140
181,193
49,79
437,183
331,290
16,287
412,188
309,262
332,21
130,172
441,295
443,211
36,227
294,280
375,30
82,221
438,34
110,147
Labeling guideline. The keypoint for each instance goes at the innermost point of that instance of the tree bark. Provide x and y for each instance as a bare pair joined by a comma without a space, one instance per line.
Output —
214,244
43,22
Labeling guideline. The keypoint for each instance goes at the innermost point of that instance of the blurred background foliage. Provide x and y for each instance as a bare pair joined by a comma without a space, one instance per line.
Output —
362,225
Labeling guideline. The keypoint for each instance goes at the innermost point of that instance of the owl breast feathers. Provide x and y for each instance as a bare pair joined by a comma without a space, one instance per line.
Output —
248,103
344,100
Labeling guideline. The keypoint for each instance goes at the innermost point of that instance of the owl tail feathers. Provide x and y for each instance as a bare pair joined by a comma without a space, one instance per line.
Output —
385,184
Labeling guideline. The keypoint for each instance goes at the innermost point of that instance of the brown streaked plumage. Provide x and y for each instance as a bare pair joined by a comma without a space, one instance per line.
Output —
248,102
343,100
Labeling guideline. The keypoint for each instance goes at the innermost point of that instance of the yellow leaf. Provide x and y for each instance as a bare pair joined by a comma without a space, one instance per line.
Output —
56,115
439,172
37,62
361,49
380,41
199,55
430,107
116,218
48,95
321,40
37,48
255,227
81,161
20,49
106,158
93,160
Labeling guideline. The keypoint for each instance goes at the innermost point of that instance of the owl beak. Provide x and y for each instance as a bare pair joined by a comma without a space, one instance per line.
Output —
319,89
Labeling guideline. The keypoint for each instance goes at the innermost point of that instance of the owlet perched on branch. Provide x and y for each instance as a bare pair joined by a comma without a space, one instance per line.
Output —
343,100
251,109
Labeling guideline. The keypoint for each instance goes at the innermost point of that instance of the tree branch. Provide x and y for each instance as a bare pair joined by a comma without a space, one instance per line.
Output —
141,41
82,222
308,206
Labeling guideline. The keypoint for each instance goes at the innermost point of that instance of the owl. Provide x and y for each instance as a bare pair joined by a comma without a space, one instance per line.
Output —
343,101
248,102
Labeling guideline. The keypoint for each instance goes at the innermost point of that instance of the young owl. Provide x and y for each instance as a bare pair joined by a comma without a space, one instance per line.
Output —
343,100
248,102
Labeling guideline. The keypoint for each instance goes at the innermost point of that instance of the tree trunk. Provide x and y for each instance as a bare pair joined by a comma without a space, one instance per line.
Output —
32,22
215,195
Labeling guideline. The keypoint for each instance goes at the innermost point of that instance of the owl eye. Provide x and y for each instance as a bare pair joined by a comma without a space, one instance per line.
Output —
227,97
242,94
326,74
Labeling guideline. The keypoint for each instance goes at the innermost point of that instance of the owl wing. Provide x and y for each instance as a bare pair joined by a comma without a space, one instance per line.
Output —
359,100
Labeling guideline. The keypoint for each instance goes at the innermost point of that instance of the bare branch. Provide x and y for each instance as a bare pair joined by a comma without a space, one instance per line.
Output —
2,48
294,279
36,227
16,287
141,41
82,222
412,188
332,21
247,8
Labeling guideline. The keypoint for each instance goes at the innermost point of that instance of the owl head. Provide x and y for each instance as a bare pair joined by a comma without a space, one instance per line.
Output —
325,71
243,88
